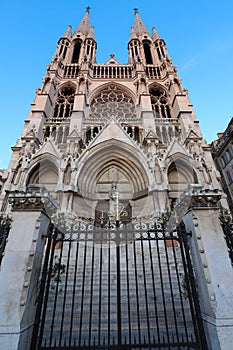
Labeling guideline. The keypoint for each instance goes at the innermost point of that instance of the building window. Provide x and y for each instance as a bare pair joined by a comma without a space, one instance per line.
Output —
229,176
64,104
226,157
88,135
223,162
230,149
112,101
160,104
147,52
76,52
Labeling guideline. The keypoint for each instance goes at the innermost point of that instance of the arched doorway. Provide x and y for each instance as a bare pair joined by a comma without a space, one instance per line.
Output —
45,173
180,175
113,161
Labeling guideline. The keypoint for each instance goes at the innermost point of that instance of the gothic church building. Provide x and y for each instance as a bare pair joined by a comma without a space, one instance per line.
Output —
91,124
107,151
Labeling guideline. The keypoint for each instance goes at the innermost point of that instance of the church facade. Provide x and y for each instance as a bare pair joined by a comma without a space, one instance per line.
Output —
112,142
91,124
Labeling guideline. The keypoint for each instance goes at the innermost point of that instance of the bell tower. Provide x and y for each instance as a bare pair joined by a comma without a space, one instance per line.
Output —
108,152
91,124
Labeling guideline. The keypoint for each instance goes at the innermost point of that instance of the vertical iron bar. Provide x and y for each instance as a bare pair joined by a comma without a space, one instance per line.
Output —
128,291
82,297
170,283
56,293
162,285
154,292
109,285
179,286
74,289
198,323
49,252
41,293
118,293
91,292
65,293
100,289
136,285
145,289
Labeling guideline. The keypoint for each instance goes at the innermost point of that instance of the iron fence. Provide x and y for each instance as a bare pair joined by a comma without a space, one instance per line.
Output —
131,287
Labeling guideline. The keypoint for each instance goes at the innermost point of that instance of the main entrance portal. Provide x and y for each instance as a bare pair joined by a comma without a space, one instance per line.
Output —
126,287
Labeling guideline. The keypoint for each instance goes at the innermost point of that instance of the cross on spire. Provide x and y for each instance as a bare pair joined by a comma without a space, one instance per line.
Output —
88,8
135,10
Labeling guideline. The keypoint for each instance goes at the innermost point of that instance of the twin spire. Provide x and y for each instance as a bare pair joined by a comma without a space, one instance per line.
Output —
86,29
139,27
85,26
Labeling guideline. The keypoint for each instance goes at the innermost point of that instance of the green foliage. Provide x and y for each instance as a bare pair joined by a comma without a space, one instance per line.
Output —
58,270
5,222
225,216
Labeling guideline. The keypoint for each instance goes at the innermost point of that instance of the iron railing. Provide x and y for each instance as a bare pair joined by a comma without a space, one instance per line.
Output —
128,287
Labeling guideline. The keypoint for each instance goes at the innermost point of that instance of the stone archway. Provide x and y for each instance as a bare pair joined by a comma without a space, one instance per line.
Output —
44,172
180,175
106,163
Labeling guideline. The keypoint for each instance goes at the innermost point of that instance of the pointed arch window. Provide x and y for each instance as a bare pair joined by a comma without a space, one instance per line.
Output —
64,104
88,134
160,104
76,52
160,50
63,48
147,52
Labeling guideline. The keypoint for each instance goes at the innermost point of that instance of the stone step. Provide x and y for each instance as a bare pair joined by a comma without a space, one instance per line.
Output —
161,305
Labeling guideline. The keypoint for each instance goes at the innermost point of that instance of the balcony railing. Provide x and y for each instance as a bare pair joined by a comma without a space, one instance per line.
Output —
115,72
102,71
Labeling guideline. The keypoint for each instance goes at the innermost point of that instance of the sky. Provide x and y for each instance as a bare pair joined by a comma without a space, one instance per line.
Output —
198,35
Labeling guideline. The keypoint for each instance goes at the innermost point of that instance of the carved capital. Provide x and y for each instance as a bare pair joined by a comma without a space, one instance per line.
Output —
194,197
36,198
207,200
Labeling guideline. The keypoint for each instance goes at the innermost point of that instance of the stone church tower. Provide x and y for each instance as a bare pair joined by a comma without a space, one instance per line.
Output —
107,151
91,124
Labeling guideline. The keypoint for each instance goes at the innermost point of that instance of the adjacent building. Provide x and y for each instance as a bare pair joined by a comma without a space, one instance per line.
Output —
222,152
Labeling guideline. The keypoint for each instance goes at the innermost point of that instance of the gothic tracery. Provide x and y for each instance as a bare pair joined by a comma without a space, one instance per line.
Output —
64,103
112,101
160,104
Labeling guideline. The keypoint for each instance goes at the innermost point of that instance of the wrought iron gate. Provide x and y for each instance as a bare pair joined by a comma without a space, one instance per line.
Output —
130,287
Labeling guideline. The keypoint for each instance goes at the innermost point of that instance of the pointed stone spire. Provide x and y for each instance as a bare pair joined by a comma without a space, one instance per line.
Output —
91,34
139,27
132,34
67,33
155,34
84,27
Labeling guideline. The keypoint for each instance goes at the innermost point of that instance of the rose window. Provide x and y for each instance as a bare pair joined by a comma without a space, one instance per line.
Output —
112,102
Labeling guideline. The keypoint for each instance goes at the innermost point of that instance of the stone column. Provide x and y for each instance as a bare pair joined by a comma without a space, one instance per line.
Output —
20,268
212,264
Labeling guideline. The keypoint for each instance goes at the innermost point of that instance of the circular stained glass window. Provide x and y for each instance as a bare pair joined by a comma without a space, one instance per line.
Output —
112,102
